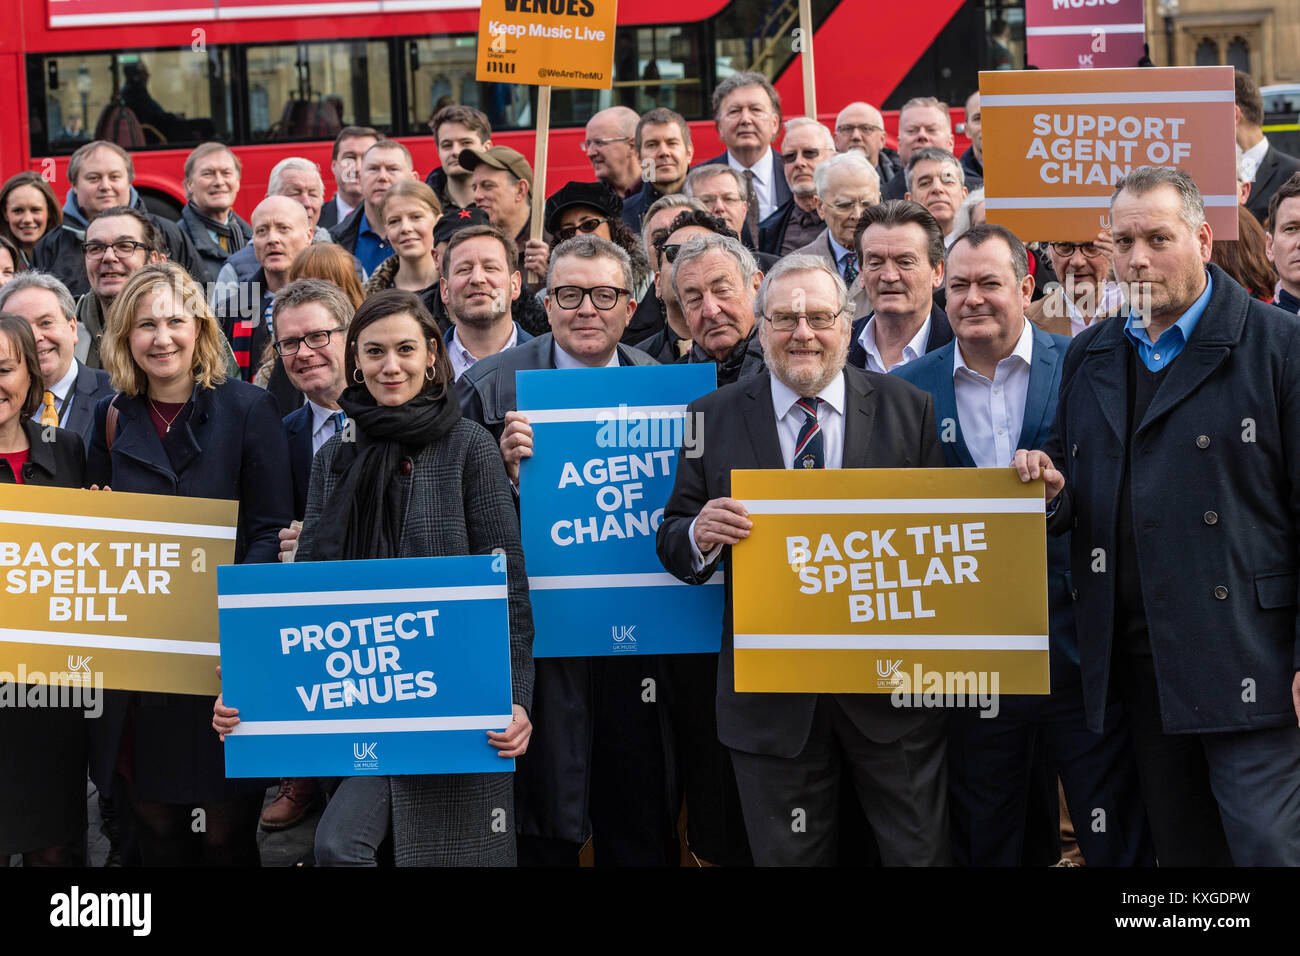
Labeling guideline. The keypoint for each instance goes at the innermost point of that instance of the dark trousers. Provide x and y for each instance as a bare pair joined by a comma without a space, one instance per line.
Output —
715,825
1212,799
993,777
792,804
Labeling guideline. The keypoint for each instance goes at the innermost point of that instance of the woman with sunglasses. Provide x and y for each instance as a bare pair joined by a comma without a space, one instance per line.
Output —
409,212
42,749
591,209
419,480
180,426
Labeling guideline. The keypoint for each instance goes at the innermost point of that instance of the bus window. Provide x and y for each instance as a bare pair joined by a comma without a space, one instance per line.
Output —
440,71
138,99
312,90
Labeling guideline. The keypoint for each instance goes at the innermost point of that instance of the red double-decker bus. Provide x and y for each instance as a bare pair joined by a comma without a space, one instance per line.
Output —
274,78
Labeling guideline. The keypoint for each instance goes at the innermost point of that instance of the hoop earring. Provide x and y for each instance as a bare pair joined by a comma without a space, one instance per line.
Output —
430,375
356,376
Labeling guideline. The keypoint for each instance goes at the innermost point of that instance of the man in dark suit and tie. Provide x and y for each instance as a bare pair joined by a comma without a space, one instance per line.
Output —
900,249
808,410
1176,468
998,380
71,388
1264,167
747,113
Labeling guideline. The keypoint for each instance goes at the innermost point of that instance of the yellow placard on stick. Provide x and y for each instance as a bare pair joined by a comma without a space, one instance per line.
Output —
1056,142
105,585
873,580
547,42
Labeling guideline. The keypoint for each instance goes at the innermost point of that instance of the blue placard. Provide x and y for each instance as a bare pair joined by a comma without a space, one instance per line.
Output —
341,668
605,447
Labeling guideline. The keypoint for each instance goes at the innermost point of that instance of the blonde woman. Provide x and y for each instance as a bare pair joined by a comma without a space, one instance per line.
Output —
179,426
408,214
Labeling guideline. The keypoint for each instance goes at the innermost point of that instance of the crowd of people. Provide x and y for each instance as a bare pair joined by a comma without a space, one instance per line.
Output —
344,368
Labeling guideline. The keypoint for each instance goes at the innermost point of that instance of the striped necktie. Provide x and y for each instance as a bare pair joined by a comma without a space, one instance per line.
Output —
339,419
808,446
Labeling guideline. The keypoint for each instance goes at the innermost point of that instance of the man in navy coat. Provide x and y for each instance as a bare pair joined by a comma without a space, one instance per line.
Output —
1177,471
998,380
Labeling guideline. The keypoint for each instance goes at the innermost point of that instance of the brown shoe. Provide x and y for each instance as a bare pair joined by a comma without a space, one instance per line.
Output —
297,798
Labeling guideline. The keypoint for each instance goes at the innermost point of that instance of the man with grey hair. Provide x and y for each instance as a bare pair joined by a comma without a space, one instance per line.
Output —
593,731
71,388
715,279
747,113
935,179
860,126
1178,435
722,192
797,221
847,185
809,410
299,179
673,341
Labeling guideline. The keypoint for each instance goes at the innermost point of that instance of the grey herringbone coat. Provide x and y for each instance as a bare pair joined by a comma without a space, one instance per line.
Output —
458,502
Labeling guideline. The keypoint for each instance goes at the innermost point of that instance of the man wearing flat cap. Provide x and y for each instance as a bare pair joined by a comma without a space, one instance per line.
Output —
503,182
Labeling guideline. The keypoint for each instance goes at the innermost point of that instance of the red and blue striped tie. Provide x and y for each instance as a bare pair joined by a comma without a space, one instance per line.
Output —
808,446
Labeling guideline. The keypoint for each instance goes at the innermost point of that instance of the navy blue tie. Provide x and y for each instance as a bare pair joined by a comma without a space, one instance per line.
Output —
808,446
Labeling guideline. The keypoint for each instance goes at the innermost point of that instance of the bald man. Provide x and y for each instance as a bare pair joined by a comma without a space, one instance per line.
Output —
860,126
610,145
281,230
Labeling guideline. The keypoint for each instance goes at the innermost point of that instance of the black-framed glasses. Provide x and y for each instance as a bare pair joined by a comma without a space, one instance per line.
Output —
123,248
602,296
789,321
587,225
314,340
1067,249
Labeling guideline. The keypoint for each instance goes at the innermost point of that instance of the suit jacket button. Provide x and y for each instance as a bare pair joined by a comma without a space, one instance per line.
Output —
1074,594
1221,593
1202,441
1074,450
29,471
1075,522
1211,518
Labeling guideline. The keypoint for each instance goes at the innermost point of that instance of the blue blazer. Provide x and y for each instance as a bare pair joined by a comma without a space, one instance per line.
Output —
91,385
297,432
933,373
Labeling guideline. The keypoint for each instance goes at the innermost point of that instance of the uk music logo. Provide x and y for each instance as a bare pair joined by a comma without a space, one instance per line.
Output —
887,672
624,638
364,756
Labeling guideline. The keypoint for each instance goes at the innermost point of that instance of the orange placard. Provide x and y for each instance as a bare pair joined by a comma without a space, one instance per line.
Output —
1056,141
547,42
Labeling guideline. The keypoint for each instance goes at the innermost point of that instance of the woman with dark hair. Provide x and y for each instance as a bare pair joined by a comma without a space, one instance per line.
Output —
418,481
1244,258
42,749
28,210
180,426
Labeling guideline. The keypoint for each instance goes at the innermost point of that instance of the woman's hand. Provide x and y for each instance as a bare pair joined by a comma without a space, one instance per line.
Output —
97,488
224,718
513,741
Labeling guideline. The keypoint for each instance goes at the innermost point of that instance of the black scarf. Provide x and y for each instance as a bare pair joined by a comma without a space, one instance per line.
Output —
364,517
228,230
729,368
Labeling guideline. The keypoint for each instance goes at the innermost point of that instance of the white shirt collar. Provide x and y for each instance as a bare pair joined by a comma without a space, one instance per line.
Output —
836,249
465,358
564,360
912,351
1252,157
784,397
344,209
319,416
762,169
64,385
1112,295
1024,351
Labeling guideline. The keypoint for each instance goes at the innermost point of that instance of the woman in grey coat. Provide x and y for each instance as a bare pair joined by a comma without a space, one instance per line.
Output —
416,480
